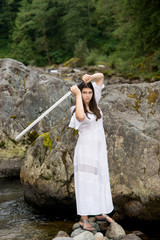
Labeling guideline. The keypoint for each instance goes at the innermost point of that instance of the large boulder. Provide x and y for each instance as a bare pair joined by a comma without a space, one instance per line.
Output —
132,126
131,122
24,95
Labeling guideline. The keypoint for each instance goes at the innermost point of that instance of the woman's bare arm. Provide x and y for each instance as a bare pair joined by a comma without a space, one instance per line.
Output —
98,77
80,114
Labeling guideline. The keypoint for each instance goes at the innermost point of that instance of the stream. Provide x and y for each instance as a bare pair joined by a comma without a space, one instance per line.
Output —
19,221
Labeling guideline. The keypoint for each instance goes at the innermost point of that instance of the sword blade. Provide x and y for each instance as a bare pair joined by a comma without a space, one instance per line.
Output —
43,115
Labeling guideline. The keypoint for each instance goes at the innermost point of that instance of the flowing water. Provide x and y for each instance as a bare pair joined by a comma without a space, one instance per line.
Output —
20,221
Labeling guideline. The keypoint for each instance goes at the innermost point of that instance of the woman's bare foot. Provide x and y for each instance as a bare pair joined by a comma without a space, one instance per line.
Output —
104,217
85,225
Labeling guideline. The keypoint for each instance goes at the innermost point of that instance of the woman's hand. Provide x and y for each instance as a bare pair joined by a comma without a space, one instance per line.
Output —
98,77
75,90
86,78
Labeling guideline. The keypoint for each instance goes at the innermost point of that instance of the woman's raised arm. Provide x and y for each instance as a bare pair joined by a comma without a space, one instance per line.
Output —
80,114
98,77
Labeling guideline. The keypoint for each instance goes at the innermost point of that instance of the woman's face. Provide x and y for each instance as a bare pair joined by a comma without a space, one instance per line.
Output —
87,95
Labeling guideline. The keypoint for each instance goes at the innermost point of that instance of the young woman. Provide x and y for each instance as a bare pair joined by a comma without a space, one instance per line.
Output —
91,175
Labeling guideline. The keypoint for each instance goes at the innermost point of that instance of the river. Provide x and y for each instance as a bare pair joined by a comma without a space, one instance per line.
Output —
19,221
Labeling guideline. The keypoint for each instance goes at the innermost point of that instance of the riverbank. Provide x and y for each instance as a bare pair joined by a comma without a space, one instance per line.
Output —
18,220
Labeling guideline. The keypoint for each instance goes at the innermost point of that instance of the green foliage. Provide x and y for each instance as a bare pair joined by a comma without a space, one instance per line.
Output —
94,57
81,51
124,33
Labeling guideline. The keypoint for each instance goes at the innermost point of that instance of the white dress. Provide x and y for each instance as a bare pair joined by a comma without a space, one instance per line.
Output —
91,175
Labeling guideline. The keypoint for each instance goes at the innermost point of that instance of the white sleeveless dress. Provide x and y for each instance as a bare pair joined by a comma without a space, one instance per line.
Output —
91,174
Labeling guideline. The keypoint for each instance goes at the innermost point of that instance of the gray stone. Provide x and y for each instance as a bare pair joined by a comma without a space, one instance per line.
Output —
61,234
85,235
98,236
77,231
115,231
75,226
63,238
131,237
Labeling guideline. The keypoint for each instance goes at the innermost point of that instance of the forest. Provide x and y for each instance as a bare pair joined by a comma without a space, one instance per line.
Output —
124,34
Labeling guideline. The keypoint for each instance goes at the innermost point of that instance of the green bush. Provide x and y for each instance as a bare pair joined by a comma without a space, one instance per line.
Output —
81,51
94,57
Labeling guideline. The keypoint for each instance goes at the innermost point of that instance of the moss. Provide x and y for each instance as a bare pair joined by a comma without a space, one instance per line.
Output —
47,141
131,96
24,83
153,96
136,107
138,100
67,79
2,144
32,137
74,132
132,76
13,116
11,150
157,78
57,138
73,62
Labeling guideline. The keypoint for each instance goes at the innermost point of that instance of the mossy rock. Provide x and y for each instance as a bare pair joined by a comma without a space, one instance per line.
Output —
153,96
32,137
92,69
73,62
132,76
13,116
157,78
47,140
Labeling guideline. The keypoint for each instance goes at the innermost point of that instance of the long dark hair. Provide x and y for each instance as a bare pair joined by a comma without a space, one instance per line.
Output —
92,104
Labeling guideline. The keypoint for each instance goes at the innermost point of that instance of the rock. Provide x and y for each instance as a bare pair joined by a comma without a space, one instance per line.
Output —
63,238
131,122
77,231
24,94
131,237
103,225
99,236
75,226
84,235
92,219
61,234
115,231
138,233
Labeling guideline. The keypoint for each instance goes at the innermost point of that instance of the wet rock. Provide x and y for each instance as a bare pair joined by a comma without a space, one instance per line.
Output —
84,235
115,231
75,226
99,236
61,234
77,231
63,238
131,237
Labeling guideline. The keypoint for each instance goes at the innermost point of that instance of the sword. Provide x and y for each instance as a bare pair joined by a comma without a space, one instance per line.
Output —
45,113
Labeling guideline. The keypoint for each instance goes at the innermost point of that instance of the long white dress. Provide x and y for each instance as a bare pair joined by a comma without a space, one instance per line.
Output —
91,174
